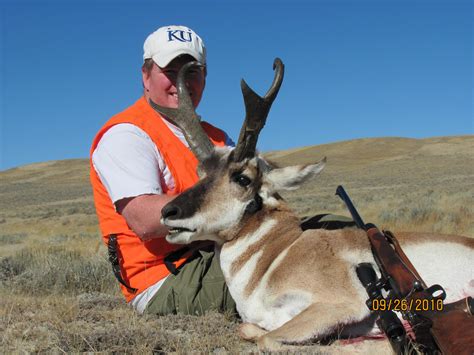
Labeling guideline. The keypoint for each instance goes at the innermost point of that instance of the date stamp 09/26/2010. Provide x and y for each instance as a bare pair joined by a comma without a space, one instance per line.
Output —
402,305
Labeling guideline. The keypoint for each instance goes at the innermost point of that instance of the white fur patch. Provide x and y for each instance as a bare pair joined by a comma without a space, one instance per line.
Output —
445,263
239,281
448,264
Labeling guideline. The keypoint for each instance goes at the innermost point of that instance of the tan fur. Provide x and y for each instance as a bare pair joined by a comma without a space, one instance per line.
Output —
317,249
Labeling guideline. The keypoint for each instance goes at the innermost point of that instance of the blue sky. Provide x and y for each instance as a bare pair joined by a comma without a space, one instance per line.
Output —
354,69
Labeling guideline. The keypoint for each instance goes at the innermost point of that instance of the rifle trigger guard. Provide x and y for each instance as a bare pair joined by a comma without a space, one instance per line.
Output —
434,289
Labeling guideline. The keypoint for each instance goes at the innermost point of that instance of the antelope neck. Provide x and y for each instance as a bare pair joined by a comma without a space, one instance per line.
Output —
264,235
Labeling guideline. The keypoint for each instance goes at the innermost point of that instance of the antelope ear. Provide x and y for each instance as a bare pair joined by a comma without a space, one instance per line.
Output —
291,177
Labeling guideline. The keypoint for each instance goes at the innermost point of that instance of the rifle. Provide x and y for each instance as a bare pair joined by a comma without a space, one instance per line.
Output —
438,327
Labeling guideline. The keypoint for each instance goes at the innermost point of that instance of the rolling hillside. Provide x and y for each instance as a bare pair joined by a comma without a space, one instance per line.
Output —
435,173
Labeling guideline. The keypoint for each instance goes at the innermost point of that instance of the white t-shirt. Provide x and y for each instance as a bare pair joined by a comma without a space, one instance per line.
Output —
129,164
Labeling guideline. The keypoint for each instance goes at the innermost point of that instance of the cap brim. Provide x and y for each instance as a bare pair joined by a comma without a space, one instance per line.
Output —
162,60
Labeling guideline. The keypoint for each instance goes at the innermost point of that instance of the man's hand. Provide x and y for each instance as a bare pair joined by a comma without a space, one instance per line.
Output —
143,214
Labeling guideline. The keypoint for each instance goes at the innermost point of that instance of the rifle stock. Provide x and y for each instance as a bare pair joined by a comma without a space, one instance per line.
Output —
453,327
403,279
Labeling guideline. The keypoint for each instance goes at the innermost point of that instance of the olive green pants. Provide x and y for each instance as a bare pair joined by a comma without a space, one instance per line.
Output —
199,285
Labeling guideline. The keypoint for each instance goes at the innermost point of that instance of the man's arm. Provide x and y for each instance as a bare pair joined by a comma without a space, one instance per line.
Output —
143,214
130,167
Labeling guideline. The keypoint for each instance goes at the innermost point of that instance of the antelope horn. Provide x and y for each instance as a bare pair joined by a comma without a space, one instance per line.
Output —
256,111
186,118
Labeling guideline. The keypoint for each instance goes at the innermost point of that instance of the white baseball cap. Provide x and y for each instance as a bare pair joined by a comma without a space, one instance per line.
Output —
169,42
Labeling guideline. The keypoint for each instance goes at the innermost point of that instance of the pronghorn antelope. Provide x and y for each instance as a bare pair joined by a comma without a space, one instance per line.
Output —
290,285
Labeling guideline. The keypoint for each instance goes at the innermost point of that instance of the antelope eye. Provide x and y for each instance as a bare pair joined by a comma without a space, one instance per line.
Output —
242,180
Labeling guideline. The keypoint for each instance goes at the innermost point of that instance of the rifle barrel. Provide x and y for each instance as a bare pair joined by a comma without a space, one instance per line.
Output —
355,215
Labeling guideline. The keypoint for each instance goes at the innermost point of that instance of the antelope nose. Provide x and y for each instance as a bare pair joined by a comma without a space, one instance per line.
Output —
171,211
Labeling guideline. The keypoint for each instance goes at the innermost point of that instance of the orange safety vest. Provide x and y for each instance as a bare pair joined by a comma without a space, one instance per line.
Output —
142,263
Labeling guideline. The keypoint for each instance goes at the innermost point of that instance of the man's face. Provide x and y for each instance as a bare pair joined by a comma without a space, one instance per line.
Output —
160,83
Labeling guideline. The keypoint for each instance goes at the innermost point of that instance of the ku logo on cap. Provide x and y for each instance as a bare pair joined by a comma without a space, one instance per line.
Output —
180,35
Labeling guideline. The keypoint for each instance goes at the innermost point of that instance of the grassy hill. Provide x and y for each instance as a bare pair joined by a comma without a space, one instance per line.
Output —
399,183
58,293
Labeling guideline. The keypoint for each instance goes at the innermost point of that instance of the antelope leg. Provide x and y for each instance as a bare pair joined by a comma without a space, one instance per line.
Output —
316,321
251,332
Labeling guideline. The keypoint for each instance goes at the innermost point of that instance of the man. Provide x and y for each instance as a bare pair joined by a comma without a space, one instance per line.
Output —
139,162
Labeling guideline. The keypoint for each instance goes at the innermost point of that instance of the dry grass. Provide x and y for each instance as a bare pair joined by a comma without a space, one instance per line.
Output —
92,322
58,294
